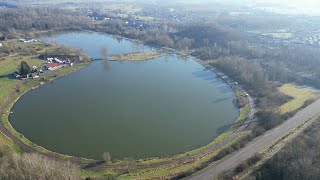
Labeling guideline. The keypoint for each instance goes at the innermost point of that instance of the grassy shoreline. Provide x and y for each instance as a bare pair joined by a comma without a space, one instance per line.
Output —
136,56
29,85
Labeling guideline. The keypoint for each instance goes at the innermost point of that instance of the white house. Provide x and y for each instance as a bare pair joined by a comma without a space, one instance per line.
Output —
50,60
58,60
28,40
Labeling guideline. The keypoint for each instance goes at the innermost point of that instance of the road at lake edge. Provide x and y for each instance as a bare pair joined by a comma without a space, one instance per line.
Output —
257,144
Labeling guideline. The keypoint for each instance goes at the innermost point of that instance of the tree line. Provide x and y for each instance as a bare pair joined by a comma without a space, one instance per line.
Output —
43,18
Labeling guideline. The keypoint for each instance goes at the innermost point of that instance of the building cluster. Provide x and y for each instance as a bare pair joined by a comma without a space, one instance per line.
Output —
27,40
52,65
55,64
35,74
60,62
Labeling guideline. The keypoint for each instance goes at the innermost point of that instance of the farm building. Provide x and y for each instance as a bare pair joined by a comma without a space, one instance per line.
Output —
53,66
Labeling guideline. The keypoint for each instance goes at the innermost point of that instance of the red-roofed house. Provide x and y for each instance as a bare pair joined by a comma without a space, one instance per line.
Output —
53,66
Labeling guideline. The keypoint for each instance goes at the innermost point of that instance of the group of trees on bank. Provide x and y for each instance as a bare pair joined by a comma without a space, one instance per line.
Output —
248,73
256,80
24,68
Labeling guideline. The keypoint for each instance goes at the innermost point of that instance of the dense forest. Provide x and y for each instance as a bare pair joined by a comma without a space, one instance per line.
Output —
29,19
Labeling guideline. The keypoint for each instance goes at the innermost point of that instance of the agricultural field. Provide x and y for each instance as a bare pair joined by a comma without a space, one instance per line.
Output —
279,35
11,63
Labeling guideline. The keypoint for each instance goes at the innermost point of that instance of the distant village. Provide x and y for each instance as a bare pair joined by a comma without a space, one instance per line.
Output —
24,40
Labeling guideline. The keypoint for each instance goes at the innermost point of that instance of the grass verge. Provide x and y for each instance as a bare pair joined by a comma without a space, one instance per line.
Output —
137,56
170,171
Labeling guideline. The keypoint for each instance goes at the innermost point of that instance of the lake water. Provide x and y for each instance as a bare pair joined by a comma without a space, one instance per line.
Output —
130,109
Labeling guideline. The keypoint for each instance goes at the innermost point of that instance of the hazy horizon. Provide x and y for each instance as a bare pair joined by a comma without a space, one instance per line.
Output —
306,7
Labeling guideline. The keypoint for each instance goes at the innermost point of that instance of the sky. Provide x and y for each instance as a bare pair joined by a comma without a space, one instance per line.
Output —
299,3
306,7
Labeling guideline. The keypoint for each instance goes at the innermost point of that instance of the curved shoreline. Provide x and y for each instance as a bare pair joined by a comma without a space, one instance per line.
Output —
178,158
24,143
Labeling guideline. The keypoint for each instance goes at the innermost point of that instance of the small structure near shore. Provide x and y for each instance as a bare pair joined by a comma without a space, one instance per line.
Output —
53,66
27,40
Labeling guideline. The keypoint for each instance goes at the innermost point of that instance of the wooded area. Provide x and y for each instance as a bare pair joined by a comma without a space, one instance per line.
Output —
34,166
298,160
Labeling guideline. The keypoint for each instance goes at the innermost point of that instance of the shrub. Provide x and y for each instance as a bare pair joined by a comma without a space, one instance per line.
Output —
34,167
239,169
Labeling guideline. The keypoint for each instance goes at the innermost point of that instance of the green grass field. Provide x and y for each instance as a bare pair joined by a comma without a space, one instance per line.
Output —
137,56
244,113
300,96
6,87
279,35
11,63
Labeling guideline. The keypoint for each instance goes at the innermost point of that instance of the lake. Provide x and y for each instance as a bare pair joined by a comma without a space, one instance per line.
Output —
131,109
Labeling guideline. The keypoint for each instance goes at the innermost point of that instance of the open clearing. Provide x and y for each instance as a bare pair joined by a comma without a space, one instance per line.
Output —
136,56
6,87
300,96
11,63
279,35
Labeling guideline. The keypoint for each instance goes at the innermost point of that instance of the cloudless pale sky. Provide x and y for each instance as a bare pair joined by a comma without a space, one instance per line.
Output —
296,3
307,7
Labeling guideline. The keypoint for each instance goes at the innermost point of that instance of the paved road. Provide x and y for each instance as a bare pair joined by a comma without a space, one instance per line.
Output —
258,144
252,108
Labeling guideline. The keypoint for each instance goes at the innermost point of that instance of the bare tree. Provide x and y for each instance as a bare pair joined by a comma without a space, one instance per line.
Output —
104,52
106,157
